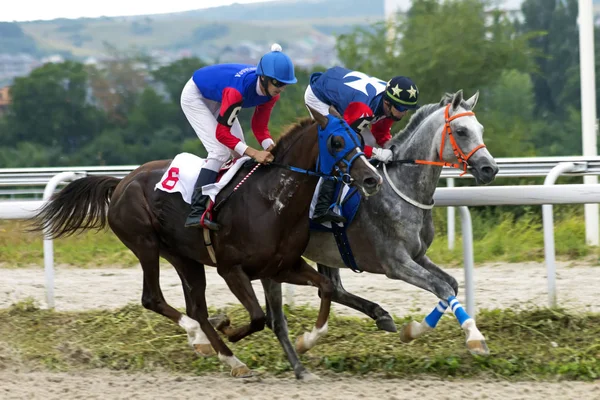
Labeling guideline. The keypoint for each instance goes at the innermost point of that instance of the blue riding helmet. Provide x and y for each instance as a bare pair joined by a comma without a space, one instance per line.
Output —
277,65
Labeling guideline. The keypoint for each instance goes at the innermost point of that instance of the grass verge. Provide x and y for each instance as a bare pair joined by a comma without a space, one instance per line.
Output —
541,344
500,239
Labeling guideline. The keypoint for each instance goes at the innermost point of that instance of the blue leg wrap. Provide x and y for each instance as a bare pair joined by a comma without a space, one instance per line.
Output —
434,316
458,310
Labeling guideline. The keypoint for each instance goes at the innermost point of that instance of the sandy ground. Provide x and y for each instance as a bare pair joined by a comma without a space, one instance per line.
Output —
112,385
497,286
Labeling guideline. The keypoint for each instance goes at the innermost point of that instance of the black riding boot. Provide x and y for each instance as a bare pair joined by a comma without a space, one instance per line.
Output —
322,211
200,201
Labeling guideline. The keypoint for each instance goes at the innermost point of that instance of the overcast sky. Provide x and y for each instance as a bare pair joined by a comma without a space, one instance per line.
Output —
28,10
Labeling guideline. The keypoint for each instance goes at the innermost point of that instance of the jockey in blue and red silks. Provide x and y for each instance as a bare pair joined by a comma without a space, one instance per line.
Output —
211,101
369,105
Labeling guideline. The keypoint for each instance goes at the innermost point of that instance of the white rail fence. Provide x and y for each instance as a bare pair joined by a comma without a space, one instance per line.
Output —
461,197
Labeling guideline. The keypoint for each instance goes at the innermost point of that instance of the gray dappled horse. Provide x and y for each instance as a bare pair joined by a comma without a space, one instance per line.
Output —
392,231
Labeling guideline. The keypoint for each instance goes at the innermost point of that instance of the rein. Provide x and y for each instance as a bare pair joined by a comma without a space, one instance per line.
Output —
461,163
461,157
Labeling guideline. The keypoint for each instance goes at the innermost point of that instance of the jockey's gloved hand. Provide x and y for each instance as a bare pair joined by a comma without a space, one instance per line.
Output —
383,155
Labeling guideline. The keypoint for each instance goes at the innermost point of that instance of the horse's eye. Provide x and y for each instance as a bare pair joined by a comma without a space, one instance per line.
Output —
461,132
337,144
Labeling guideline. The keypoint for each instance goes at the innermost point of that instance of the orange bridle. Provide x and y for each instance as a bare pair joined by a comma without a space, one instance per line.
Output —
460,155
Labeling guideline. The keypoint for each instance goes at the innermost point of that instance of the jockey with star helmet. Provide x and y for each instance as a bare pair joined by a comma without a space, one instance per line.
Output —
369,105
211,101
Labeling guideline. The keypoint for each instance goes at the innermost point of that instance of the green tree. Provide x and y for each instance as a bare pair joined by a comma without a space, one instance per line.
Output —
175,75
443,46
506,114
118,82
558,52
50,107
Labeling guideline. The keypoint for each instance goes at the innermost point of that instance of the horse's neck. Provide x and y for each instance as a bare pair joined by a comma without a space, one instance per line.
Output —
304,151
288,184
419,181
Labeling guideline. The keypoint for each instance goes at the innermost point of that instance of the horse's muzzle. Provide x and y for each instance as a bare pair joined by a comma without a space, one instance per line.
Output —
486,173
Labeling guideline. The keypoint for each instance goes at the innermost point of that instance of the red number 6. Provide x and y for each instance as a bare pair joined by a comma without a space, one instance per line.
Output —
172,178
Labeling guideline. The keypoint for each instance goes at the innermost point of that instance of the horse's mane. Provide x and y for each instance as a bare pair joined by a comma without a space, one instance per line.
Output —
288,137
415,121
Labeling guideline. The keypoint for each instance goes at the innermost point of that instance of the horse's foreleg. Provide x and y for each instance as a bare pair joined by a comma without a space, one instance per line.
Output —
304,274
197,339
195,280
382,318
429,276
240,285
279,327
430,266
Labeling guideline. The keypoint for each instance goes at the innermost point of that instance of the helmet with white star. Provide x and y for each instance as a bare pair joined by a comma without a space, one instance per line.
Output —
403,93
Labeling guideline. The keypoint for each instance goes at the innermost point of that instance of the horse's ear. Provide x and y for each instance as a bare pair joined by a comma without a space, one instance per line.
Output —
473,100
333,111
321,119
457,99
446,99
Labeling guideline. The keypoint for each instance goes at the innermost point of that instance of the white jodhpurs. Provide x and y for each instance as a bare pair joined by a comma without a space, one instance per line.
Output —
202,114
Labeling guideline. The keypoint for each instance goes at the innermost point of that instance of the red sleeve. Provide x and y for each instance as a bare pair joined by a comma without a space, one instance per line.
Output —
368,151
260,119
231,104
381,130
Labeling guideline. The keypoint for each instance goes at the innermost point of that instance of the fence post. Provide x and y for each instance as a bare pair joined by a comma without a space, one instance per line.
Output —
48,244
548,224
451,219
467,236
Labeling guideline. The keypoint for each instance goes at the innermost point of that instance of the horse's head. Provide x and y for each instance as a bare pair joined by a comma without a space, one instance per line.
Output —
464,135
339,150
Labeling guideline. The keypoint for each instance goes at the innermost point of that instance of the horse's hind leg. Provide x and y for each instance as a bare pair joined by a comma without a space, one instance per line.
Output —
382,318
279,327
132,224
304,274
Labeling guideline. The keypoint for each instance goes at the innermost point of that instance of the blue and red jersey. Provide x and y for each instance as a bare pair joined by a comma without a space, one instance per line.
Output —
235,86
341,86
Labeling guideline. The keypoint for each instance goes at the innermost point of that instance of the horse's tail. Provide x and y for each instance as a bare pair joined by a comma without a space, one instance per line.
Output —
81,205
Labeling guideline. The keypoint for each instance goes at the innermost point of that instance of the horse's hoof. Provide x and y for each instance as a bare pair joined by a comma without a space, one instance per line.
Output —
478,347
308,376
406,335
242,372
219,322
300,346
386,323
204,350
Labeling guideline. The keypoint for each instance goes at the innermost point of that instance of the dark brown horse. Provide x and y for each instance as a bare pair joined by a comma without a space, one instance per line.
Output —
264,231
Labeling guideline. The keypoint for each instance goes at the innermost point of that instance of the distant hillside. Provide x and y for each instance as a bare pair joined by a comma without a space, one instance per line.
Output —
205,31
294,9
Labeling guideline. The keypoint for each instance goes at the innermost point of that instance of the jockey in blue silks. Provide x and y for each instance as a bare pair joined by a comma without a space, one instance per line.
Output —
211,101
369,105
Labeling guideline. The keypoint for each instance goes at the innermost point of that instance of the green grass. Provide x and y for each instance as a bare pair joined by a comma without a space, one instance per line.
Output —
90,249
504,239
507,239
533,344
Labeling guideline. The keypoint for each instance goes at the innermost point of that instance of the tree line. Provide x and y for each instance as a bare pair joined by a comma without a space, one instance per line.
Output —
527,72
